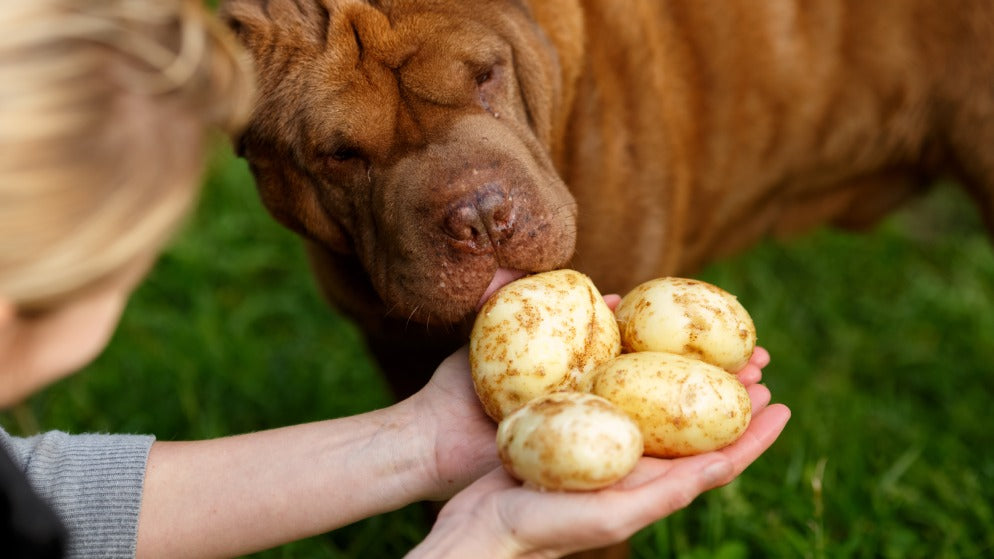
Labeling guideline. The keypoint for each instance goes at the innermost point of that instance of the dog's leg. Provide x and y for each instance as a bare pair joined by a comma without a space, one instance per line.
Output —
971,138
408,361
406,353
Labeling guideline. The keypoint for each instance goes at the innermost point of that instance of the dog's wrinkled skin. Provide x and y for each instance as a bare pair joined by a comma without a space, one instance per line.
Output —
408,145
420,145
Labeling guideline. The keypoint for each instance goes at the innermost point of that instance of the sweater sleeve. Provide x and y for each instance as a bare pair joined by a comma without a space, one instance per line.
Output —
93,482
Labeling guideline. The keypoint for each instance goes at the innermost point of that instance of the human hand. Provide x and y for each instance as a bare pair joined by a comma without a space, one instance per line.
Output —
463,438
497,517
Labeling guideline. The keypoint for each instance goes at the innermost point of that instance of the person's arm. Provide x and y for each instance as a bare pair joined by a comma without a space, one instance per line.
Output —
241,494
246,493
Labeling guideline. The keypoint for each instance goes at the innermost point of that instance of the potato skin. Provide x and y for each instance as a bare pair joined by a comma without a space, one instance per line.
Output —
687,317
539,334
683,406
569,441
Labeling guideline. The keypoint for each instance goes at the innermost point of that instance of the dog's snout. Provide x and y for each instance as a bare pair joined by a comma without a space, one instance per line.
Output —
481,220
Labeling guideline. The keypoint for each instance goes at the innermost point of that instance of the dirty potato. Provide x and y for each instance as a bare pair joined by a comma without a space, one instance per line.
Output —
569,441
687,317
683,406
539,334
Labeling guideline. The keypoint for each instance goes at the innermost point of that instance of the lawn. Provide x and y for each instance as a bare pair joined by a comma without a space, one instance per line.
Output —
882,344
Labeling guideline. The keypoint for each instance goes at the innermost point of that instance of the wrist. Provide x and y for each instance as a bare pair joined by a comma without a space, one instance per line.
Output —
456,450
452,540
407,441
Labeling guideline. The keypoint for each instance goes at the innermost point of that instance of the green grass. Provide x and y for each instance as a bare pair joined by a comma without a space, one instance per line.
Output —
882,345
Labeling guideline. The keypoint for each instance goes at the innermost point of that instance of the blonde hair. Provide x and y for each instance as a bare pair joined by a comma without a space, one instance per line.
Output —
104,112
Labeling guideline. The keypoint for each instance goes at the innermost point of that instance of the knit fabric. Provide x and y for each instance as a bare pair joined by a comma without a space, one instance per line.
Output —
93,482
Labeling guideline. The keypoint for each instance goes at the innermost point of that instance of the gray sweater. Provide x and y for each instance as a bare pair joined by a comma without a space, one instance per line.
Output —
94,483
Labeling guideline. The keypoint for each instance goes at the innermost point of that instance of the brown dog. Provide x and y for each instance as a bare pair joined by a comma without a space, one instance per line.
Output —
420,146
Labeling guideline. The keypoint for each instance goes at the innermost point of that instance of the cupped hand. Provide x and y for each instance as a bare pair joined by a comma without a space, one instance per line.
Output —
462,438
497,514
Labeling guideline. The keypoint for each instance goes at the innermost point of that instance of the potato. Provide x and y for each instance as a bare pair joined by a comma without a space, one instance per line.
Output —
569,441
683,406
687,317
539,334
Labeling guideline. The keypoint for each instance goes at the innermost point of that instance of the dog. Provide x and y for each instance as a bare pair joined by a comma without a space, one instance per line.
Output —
428,151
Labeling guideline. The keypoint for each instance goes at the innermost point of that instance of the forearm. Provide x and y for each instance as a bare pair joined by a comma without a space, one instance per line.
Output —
236,495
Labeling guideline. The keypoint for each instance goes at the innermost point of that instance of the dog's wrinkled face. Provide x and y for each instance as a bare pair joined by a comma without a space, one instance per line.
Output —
412,134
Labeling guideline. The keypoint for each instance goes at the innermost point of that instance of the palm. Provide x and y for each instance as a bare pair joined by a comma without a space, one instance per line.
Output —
465,446
657,487
566,522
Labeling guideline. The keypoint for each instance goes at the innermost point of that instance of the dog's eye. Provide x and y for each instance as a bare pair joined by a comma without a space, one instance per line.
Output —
346,153
484,76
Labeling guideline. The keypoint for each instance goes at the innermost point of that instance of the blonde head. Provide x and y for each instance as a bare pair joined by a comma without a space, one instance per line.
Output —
104,111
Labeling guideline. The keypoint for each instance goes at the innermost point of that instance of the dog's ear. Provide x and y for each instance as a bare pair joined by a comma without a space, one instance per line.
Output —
291,199
255,22
549,55
249,19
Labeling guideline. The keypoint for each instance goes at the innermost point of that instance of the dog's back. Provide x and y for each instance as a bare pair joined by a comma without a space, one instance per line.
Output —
769,118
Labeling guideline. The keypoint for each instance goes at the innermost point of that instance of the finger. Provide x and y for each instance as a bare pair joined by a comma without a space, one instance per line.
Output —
660,487
763,430
750,374
612,300
760,357
759,395
615,513
647,469
676,485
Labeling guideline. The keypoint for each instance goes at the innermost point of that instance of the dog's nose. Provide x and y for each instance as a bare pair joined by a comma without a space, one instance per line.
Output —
482,220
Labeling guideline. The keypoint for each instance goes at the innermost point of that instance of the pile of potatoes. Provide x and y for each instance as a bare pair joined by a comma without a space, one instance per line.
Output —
580,393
